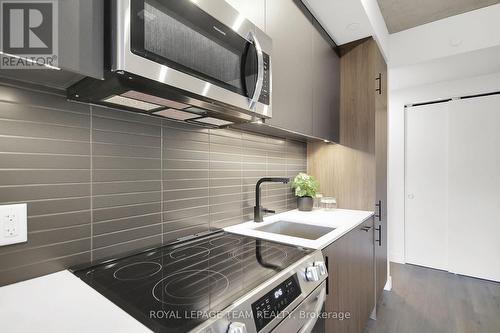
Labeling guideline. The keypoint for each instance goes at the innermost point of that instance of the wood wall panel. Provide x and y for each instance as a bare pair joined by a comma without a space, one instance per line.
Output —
346,170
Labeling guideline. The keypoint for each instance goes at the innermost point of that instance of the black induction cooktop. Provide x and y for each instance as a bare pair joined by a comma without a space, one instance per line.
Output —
175,288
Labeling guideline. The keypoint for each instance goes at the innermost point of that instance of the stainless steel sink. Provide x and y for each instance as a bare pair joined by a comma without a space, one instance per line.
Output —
294,229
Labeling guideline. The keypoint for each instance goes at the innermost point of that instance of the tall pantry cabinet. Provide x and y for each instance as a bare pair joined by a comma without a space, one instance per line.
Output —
354,170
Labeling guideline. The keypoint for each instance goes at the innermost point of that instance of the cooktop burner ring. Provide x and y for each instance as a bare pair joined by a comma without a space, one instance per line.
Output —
220,241
188,300
179,254
154,268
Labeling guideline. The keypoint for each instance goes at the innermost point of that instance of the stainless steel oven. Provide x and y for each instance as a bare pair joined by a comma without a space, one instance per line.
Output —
204,47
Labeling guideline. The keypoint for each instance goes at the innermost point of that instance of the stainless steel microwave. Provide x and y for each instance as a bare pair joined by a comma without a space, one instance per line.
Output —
198,57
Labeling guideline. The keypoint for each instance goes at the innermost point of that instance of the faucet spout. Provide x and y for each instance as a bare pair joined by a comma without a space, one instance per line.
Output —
258,210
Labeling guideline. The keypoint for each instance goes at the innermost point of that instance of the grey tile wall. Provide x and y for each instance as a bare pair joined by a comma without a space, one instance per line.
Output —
99,181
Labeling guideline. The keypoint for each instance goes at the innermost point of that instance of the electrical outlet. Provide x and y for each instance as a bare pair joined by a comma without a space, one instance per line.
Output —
13,221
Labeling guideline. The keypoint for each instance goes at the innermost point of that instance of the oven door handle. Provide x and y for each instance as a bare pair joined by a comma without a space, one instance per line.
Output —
320,300
260,71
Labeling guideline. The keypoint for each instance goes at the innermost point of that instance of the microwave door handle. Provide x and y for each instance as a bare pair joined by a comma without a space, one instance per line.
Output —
320,300
260,71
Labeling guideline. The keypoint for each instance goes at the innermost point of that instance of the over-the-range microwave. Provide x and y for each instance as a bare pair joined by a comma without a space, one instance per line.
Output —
192,60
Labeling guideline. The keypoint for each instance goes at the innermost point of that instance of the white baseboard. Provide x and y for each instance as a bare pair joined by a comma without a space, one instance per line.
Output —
388,284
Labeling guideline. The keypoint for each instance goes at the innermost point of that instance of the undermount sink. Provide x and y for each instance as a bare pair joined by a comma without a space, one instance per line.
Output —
295,229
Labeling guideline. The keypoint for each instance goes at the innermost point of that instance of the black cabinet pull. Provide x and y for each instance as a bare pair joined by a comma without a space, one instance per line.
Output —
327,277
379,79
379,206
367,228
379,240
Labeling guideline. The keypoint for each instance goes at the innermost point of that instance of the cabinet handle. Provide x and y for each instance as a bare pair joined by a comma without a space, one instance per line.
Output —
367,228
379,206
327,277
379,79
379,240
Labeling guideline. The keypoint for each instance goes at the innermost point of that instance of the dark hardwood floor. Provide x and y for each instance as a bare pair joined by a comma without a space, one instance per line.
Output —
430,301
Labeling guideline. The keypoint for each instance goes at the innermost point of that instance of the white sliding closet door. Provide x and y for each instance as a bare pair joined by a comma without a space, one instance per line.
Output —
474,187
426,203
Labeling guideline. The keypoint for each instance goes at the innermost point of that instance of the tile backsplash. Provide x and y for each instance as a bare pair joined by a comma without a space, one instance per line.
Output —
100,181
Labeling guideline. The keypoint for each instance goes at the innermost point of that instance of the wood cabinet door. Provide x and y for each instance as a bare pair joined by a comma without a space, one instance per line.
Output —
366,272
342,284
351,279
289,25
381,172
326,86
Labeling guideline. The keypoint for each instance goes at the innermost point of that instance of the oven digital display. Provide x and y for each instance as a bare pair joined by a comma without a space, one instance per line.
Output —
274,302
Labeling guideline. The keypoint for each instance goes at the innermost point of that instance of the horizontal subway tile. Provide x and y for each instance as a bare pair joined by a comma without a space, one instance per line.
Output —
58,221
58,206
125,139
125,199
25,161
36,114
114,175
185,203
101,149
40,192
104,214
126,223
100,162
118,250
186,183
186,165
179,154
29,177
46,131
127,235
43,146
184,194
113,125
125,187
185,213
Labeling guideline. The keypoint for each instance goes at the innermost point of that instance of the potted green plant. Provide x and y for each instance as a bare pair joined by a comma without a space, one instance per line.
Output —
305,187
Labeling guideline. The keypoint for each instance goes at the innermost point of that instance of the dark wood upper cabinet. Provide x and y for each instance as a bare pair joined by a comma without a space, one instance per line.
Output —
326,86
290,27
305,68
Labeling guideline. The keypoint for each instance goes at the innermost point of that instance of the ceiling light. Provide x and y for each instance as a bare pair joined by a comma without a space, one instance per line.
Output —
154,99
131,103
213,121
176,114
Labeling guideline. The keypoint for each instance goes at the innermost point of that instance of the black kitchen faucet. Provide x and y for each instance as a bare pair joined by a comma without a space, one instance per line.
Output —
258,210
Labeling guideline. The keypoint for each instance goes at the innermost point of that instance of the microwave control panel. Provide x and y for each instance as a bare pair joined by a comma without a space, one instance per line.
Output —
266,85
274,302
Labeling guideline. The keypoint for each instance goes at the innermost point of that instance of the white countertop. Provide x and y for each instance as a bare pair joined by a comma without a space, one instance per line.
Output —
343,220
61,302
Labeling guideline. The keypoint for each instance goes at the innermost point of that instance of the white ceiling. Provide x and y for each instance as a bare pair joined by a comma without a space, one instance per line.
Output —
486,61
400,15
344,20
475,30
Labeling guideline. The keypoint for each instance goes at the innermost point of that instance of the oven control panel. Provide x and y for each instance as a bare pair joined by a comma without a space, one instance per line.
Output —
274,302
